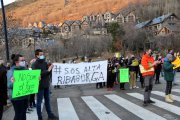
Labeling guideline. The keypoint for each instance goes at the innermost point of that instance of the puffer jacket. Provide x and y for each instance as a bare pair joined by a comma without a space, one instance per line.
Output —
146,62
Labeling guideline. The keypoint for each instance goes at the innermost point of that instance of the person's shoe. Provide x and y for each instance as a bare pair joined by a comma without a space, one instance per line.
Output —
159,82
122,88
175,84
150,101
28,112
167,99
40,118
31,106
34,105
145,103
29,109
171,97
53,117
156,82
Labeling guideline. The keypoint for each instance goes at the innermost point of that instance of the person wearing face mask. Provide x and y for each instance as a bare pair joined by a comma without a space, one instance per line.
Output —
148,64
20,104
3,87
168,76
44,84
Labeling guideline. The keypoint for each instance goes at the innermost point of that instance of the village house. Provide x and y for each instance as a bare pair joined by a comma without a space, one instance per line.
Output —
85,25
76,26
66,26
41,24
109,17
166,30
162,25
126,16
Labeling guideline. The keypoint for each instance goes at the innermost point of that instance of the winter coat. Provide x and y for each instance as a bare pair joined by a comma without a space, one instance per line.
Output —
146,61
45,74
3,85
168,70
133,64
10,84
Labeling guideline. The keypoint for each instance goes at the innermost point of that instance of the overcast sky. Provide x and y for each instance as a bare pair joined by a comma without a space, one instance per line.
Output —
7,1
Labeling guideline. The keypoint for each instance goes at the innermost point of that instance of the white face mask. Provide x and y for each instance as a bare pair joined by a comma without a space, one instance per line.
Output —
42,57
22,63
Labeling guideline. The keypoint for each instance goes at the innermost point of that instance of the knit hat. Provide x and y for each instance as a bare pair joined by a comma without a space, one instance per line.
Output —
169,57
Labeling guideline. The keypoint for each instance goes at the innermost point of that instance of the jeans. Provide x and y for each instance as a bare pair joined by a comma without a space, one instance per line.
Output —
168,87
157,76
174,71
20,107
32,100
148,82
43,93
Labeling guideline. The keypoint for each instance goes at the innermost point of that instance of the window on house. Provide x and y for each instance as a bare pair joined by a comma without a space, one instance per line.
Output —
155,27
171,24
66,28
172,18
120,20
130,18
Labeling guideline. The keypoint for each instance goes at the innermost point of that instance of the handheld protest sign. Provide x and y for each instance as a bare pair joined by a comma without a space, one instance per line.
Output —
124,75
26,82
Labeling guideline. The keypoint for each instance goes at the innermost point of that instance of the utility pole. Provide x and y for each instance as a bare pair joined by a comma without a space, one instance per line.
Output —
5,30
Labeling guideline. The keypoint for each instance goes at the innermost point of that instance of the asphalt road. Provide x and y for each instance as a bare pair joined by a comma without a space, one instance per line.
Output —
85,102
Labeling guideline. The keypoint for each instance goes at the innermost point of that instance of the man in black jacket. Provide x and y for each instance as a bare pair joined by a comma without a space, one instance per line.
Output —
44,84
3,87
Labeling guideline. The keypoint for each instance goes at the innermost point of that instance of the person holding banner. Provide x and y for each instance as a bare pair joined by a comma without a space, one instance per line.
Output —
148,63
20,104
44,84
3,87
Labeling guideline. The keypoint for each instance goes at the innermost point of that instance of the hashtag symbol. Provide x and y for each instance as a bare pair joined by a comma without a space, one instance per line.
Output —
57,69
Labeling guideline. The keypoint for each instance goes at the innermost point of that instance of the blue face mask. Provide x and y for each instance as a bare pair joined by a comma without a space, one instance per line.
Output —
42,57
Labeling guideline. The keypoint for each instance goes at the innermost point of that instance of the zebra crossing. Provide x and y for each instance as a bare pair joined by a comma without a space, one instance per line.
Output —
67,108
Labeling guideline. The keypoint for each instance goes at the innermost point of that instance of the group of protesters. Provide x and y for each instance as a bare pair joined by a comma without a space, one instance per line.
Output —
146,68
23,104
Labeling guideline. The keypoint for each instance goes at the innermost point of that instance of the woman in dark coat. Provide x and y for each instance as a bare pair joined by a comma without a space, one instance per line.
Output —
168,76
3,88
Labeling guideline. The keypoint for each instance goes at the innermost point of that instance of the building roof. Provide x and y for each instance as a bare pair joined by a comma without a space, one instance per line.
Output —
69,22
78,22
143,24
161,19
154,21
125,12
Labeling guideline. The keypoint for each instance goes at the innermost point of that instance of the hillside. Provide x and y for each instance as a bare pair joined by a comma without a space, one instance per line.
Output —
56,11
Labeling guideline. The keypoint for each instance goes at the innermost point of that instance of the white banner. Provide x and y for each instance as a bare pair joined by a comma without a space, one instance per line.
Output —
82,73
